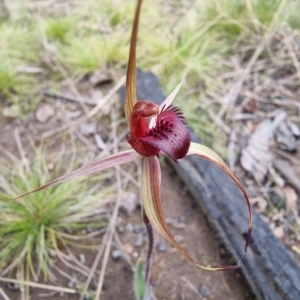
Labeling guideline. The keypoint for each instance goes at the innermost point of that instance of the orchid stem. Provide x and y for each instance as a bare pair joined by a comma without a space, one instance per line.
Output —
150,247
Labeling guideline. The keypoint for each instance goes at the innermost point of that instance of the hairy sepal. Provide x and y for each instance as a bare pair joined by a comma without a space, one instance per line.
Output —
151,180
95,166
210,155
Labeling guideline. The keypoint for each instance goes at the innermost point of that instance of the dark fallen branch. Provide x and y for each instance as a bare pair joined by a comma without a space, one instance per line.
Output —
268,266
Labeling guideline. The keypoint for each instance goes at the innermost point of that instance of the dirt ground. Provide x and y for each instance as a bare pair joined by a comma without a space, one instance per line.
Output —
175,278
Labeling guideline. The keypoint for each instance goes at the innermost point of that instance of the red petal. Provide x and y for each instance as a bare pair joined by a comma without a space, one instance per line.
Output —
141,147
170,134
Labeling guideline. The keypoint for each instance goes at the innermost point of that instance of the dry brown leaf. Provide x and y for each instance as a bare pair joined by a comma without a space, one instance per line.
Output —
128,248
99,142
232,150
285,136
279,192
88,129
129,202
260,203
278,232
279,181
249,106
44,113
291,199
256,157
98,97
296,249
100,77
287,170
278,217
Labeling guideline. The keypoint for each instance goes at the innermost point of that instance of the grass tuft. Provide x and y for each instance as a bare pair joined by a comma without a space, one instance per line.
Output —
7,80
33,226
60,29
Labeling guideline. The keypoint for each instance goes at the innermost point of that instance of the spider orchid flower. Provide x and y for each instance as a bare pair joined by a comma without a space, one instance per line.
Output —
166,134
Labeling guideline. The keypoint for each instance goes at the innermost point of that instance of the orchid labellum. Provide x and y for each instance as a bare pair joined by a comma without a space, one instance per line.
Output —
154,130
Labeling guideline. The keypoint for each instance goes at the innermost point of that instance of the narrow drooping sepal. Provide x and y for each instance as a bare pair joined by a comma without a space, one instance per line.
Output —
95,166
151,180
170,133
210,155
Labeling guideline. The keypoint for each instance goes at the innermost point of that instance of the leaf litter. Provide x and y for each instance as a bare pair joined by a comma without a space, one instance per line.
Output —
264,138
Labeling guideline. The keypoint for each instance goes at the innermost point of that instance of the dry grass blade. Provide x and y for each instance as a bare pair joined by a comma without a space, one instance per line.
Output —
94,267
96,109
5,297
39,285
292,52
111,229
191,286
61,68
236,88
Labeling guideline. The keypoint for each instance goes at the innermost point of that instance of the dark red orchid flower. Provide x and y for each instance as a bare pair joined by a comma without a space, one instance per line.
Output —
169,134
165,133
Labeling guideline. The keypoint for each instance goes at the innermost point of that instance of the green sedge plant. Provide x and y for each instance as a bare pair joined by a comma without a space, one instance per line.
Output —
33,226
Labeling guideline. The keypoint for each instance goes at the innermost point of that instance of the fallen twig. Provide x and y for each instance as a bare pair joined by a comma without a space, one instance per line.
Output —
39,285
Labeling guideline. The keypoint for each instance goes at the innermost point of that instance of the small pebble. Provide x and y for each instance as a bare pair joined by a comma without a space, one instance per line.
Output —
139,239
278,232
178,225
116,255
120,229
104,137
129,227
13,286
88,128
72,281
204,291
182,219
178,238
222,251
94,285
135,254
73,114
182,297
128,248
137,228
44,113
82,258
162,246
